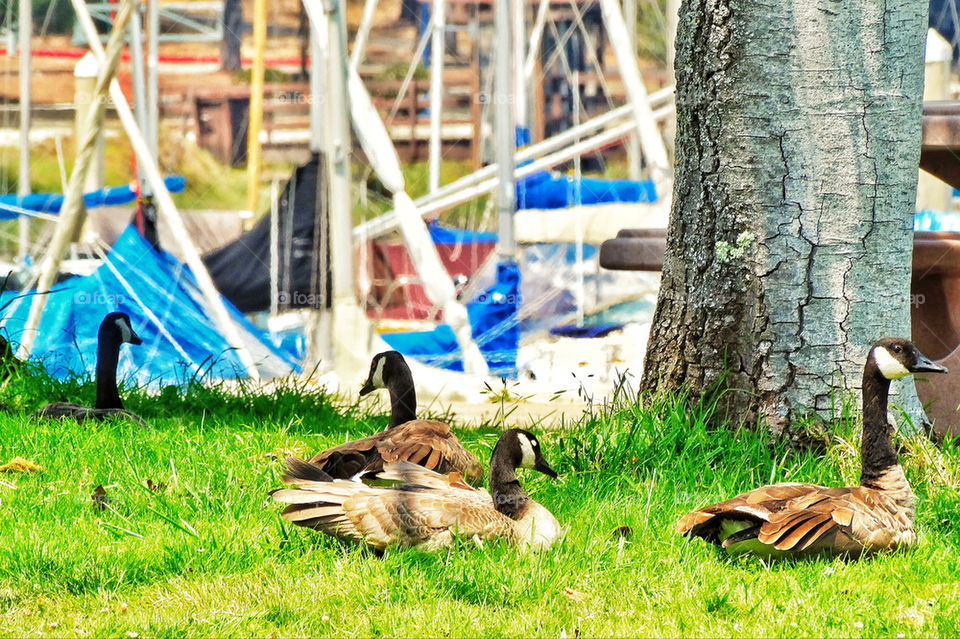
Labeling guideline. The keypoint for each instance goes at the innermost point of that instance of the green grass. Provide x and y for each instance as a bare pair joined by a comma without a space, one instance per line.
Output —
206,553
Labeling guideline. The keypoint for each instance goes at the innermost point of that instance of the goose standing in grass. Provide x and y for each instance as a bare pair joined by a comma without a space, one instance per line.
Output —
114,331
424,508
428,443
791,519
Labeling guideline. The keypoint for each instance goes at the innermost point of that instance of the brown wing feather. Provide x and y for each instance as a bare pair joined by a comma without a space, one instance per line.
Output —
756,505
800,530
426,442
433,459
801,518
430,514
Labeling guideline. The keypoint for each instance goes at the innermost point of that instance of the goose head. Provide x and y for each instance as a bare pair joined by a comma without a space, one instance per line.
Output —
386,368
518,448
895,357
116,328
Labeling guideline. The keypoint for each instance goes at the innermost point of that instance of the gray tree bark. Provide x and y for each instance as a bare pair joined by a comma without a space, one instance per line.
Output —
790,239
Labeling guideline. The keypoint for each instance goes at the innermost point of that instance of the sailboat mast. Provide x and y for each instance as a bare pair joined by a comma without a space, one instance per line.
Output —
256,103
139,91
439,22
153,78
504,125
519,81
23,181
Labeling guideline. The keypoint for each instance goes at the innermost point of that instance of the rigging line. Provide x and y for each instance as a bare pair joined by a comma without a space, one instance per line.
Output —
592,58
561,53
61,163
12,208
98,247
591,51
660,16
46,19
558,46
487,104
190,310
536,40
417,56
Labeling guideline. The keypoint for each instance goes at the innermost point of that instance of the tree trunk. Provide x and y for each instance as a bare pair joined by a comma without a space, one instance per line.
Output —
790,239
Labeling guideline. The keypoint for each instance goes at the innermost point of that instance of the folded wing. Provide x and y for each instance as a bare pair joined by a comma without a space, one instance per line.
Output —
801,518
427,443
428,509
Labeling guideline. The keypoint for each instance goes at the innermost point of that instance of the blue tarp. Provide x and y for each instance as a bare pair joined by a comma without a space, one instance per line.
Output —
437,347
445,235
66,342
543,191
51,202
493,319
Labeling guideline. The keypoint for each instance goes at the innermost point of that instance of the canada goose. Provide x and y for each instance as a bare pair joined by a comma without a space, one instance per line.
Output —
115,329
793,519
424,508
424,442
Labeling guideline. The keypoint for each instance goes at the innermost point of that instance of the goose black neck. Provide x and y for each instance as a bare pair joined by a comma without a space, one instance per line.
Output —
508,495
403,401
876,451
108,354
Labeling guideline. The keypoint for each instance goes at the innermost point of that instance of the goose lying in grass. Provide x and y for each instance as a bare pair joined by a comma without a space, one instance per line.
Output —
114,331
424,508
425,442
795,519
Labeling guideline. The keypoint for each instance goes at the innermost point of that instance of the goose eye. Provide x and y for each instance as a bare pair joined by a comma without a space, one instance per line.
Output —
897,348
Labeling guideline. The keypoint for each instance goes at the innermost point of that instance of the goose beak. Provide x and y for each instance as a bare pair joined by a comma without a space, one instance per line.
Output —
542,465
134,338
367,387
924,364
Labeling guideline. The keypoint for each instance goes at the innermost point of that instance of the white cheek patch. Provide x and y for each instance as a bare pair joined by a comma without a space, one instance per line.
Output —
377,377
125,332
890,367
529,458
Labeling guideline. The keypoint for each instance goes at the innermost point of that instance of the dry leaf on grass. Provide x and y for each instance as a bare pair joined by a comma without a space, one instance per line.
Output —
20,465
574,595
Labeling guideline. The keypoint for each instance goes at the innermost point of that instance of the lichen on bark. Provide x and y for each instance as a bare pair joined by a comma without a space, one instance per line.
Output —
790,238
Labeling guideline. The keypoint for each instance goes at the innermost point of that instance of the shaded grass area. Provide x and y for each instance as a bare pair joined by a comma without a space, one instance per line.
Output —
188,543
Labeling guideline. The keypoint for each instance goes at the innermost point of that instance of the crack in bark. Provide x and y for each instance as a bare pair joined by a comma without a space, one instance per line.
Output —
876,176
